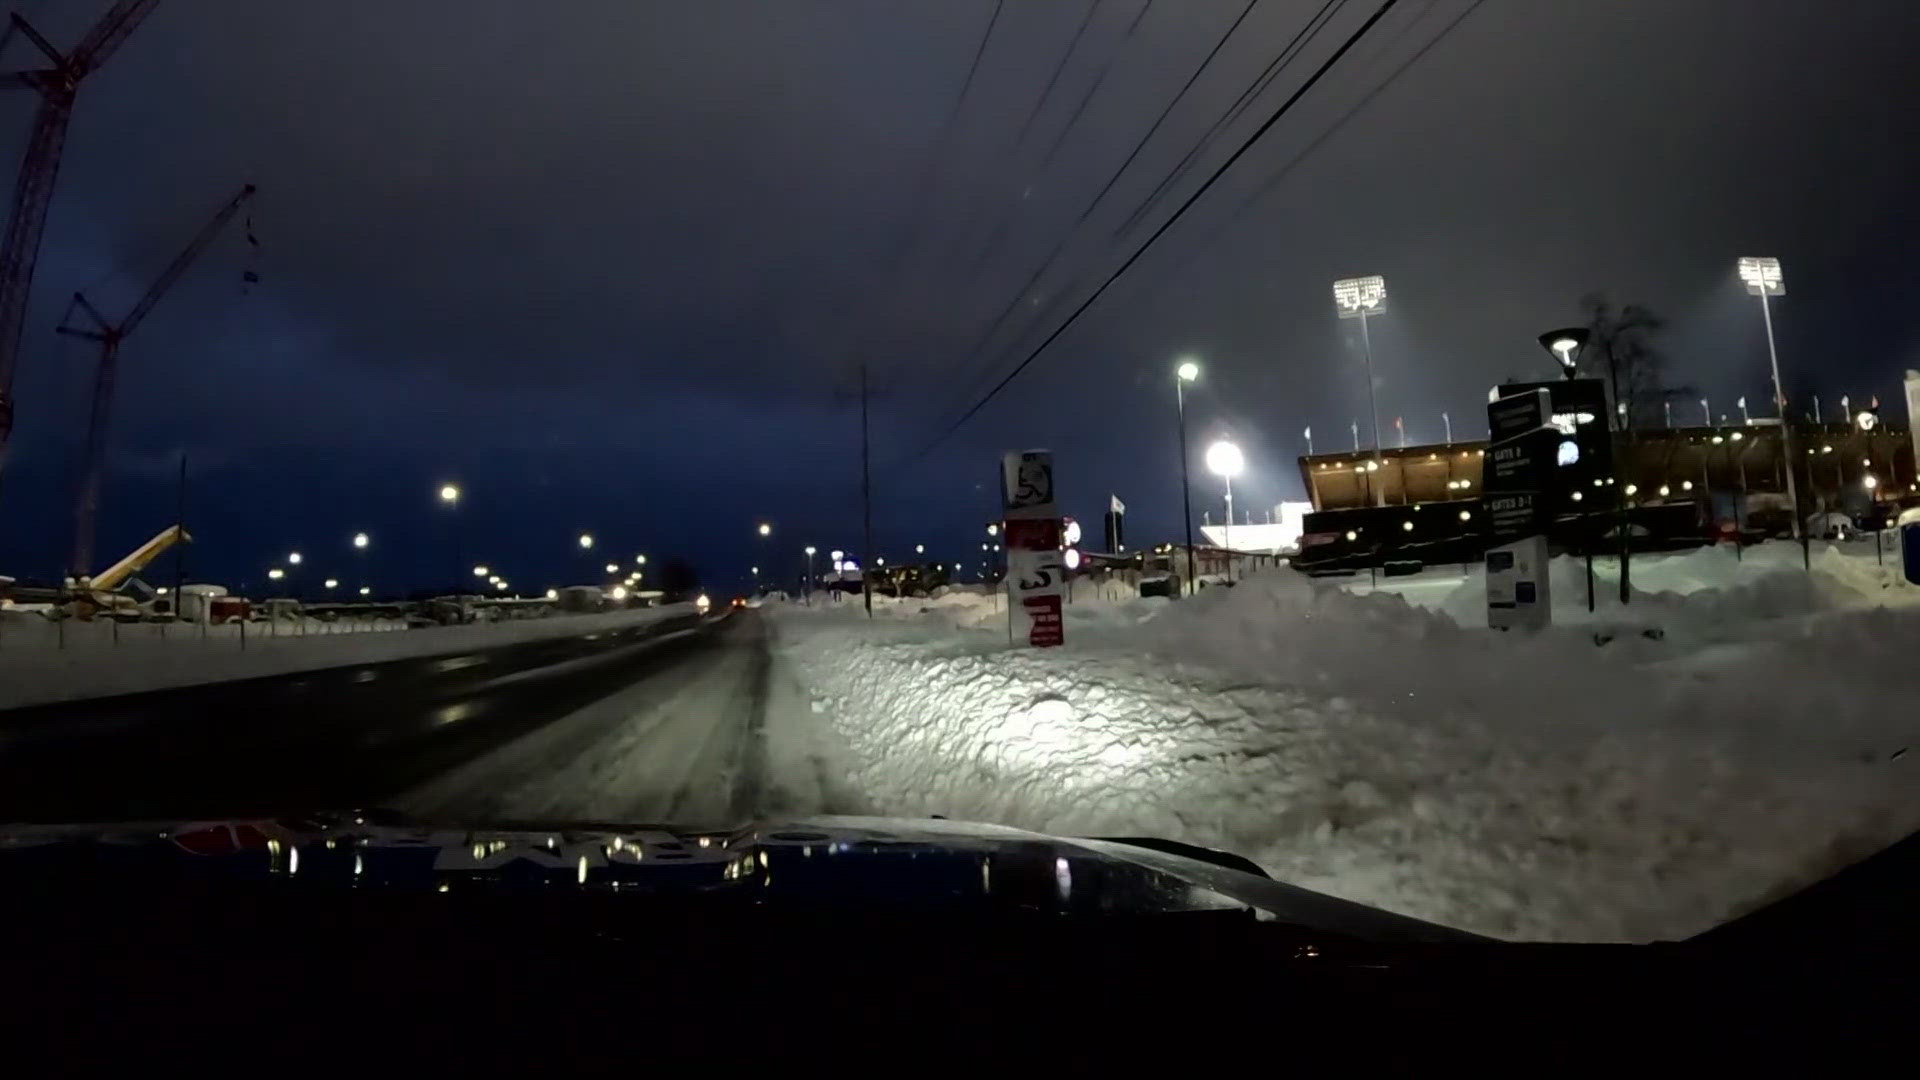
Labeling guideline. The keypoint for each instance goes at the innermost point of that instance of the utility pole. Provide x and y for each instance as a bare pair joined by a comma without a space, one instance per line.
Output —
180,553
866,494
40,166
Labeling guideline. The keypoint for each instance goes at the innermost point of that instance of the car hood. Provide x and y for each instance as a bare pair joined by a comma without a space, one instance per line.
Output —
844,862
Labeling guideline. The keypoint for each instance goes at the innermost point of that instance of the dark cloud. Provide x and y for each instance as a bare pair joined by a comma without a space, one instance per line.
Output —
618,261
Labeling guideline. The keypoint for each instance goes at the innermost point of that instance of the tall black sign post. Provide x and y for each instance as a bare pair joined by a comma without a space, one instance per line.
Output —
1516,491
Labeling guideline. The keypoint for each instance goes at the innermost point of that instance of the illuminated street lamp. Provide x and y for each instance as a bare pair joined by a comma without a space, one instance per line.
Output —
1225,461
808,592
276,574
639,560
766,529
993,529
293,558
586,541
501,585
1565,345
1361,298
482,571
366,590
449,493
333,583
360,540
919,549
613,568
1187,372
553,594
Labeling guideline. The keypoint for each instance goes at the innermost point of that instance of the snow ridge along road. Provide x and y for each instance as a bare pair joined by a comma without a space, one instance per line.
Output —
1523,786
38,673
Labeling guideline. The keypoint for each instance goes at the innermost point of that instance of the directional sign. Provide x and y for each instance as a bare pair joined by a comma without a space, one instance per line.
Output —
1036,570
1519,479
1026,484
1513,515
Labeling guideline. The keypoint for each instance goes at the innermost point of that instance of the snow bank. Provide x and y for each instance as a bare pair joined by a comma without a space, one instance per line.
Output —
1700,596
1530,786
33,674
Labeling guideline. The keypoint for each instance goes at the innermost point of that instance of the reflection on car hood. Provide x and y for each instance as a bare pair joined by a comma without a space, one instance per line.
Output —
840,861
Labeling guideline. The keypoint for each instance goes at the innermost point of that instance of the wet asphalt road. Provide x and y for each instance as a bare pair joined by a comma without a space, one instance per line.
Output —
438,733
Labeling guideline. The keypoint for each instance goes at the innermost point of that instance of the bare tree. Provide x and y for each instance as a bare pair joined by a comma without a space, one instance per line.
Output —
1620,345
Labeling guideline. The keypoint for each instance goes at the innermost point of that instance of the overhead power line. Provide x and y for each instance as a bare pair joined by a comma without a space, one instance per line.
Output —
1334,128
1087,211
1254,89
1040,103
1146,245
924,187
992,245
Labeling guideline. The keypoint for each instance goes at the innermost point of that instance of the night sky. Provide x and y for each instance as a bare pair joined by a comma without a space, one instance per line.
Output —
612,266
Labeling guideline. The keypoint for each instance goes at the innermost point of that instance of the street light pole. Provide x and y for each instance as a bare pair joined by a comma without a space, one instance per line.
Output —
1225,461
1186,373
1228,531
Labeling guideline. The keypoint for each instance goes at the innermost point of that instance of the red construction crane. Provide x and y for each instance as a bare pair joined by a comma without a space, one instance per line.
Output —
110,334
38,167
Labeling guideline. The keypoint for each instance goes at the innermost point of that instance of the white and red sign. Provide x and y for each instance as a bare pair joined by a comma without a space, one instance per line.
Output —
1036,570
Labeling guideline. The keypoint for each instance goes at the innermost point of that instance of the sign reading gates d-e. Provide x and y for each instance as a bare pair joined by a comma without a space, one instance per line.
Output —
1036,572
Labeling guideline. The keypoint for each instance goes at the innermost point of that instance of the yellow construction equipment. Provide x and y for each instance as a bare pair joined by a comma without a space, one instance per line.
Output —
98,593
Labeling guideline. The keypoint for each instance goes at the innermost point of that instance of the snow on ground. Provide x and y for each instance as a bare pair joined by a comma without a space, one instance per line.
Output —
35,669
1531,786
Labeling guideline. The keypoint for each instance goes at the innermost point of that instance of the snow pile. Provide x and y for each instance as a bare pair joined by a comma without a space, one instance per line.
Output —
1529,786
34,675
982,607
1701,595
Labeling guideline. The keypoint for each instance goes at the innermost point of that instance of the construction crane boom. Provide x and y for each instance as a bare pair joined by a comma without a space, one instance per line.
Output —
110,334
39,167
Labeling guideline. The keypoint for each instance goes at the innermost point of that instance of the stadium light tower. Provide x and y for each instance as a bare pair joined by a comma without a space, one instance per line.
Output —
1761,275
1361,298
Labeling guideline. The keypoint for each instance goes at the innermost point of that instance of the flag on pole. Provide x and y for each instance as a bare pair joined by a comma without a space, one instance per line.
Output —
1355,428
1402,429
1118,506
1742,402
1308,432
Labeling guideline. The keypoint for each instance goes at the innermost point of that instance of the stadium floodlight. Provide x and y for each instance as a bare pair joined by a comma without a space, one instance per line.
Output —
1761,275
1359,297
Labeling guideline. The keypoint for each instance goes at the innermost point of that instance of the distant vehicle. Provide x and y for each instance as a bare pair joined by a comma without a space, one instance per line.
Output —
739,602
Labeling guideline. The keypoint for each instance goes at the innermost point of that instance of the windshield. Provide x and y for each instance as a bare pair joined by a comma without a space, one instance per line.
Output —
1457,456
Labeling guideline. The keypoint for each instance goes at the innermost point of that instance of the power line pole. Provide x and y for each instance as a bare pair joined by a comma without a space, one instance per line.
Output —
866,493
